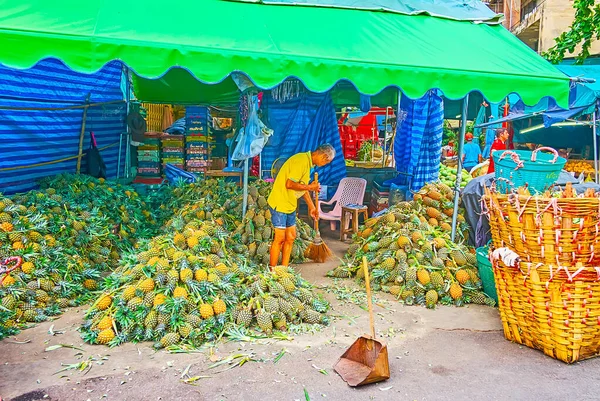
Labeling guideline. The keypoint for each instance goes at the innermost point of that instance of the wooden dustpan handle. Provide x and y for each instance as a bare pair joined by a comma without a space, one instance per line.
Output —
317,203
369,301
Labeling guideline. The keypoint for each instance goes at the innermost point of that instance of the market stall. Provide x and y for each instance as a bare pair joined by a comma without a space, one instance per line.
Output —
208,262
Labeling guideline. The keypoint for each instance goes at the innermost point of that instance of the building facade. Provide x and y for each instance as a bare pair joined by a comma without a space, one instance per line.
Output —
538,22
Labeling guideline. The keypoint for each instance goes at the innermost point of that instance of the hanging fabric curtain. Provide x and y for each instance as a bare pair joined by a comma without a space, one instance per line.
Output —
418,143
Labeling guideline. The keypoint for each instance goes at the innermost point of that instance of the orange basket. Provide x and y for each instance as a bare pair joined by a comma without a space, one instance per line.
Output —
553,310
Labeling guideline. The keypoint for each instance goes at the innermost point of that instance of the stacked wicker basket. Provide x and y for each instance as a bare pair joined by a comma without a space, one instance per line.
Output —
549,298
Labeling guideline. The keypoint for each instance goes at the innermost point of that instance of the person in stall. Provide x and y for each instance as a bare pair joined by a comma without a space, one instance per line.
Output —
292,183
499,144
471,153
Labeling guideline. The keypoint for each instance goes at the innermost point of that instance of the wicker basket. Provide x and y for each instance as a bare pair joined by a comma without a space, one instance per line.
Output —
558,316
553,231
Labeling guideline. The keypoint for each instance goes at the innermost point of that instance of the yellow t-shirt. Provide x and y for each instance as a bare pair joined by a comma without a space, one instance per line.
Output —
296,168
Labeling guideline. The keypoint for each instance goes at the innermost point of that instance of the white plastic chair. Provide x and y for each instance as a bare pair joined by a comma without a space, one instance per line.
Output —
350,191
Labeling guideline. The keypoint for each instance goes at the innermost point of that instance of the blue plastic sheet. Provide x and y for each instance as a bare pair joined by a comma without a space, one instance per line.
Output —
418,143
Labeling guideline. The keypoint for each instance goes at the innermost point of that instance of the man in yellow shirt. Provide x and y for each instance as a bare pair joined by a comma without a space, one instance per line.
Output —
292,183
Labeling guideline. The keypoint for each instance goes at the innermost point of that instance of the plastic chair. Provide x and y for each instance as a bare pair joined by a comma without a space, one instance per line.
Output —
350,191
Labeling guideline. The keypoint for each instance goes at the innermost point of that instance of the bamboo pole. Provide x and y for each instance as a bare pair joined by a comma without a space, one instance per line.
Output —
52,161
82,106
81,137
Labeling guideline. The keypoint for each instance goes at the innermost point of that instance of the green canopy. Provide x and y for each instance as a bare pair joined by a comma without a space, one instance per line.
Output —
319,45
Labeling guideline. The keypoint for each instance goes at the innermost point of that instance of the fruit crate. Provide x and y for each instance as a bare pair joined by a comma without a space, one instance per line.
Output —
145,158
173,154
200,139
150,148
197,169
147,171
148,153
198,163
145,164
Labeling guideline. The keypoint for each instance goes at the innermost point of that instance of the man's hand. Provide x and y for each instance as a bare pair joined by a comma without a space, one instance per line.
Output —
314,187
313,212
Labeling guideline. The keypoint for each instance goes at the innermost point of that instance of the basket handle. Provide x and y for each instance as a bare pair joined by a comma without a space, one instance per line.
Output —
514,157
551,150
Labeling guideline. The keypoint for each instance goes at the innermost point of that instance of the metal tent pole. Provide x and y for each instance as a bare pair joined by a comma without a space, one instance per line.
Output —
245,201
459,166
128,132
595,145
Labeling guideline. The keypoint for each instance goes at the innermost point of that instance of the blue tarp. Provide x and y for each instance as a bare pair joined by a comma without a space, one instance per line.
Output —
300,125
30,137
582,100
418,143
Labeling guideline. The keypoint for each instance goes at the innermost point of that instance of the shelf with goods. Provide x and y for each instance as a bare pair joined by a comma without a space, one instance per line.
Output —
199,139
149,156
173,150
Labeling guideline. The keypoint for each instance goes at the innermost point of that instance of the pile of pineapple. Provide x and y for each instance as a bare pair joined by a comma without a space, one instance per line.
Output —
188,286
411,256
68,239
76,230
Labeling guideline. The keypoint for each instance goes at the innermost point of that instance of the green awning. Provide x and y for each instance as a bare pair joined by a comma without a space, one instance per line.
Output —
320,46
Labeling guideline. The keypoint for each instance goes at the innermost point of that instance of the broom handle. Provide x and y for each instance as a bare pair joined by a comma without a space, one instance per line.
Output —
369,301
317,203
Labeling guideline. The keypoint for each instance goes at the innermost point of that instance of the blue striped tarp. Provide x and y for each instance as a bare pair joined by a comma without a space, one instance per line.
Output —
418,143
29,137
300,125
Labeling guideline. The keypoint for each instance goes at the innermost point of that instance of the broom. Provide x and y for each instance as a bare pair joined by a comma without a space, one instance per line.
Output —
318,250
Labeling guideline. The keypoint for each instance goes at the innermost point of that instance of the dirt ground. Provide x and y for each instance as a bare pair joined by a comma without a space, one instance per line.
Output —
443,354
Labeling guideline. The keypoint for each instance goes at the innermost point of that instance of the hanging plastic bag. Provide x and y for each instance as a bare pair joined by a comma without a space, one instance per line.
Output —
95,163
252,137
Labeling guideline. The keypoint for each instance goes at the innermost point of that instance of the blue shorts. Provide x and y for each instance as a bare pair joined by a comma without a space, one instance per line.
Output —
282,220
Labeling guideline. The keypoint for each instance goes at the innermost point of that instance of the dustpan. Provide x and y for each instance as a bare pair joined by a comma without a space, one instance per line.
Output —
366,361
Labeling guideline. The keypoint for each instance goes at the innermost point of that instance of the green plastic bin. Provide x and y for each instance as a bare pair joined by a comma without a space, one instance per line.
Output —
486,273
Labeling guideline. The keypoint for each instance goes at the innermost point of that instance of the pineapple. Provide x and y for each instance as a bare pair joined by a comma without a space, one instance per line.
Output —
27,267
185,330
151,320
146,285
193,319
105,336
458,258
437,280
159,299
201,275
431,298
423,276
90,284
312,317
219,307
186,275
264,321
462,276
388,263
455,291
288,285
169,339
105,323
403,241
128,293
244,318
180,292
206,310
